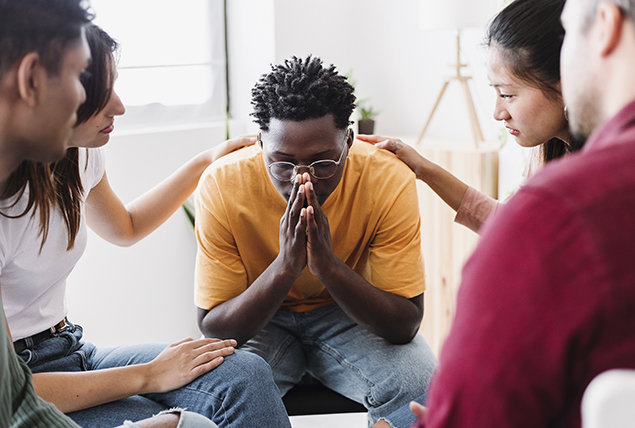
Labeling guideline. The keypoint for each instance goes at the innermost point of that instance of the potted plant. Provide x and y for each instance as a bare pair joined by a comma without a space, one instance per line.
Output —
366,124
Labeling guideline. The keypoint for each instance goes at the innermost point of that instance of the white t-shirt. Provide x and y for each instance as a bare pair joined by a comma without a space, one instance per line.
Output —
33,283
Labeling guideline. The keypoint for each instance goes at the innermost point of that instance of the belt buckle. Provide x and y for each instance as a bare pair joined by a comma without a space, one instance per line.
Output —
60,326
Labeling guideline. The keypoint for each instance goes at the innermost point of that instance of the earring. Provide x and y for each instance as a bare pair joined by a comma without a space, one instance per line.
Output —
566,116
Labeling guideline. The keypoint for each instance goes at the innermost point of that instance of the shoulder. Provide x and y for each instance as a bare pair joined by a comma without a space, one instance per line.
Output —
589,178
239,170
378,167
92,165
244,161
575,213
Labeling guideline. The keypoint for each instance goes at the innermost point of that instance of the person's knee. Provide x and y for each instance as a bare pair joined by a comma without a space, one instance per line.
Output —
249,367
419,365
409,376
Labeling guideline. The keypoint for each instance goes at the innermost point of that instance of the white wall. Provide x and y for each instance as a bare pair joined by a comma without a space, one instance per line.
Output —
398,67
142,293
145,293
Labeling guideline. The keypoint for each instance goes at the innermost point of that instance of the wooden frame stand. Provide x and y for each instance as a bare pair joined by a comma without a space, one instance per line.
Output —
477,135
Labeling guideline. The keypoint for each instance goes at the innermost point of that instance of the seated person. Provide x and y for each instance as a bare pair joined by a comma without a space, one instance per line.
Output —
310,248
103,386
547,301
43,53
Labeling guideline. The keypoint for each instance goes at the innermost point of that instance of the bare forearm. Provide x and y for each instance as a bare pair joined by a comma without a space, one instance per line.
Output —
153,208
242,317
394,318
126,225
71,391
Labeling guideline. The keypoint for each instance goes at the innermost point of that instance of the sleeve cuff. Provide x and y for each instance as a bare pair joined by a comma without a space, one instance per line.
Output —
475,208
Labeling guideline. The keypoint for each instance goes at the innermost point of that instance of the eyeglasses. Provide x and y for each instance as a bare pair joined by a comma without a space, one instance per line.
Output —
321,170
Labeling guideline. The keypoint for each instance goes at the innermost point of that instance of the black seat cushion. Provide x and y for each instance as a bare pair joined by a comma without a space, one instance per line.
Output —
310,397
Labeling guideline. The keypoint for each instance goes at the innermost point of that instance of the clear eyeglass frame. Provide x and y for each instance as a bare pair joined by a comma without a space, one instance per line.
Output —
293,168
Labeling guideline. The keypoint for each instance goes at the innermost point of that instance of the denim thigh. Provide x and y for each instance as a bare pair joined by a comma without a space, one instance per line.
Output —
279,344
115,413
66,352
345,357
363,366
239,392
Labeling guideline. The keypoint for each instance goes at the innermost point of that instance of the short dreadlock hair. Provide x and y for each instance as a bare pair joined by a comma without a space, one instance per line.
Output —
302,89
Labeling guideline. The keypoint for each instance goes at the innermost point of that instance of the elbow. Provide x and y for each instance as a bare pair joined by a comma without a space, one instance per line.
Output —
204,324
128,240
403,333
224,335
402,337
120,240
213,327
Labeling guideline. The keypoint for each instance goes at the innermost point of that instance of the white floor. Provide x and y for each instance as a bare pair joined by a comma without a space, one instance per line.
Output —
345,420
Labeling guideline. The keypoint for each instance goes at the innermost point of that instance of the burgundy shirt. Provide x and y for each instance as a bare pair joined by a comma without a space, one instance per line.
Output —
548,297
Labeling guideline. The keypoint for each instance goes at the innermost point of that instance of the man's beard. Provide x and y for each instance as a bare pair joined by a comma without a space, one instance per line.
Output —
584,119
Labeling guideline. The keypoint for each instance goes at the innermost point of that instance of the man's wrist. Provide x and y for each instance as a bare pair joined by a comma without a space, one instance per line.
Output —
282,272
331,269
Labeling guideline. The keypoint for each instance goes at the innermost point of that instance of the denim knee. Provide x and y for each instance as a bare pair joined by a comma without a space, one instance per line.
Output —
253,369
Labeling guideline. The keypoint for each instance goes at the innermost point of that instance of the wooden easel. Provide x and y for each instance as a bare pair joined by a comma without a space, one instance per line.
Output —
477,135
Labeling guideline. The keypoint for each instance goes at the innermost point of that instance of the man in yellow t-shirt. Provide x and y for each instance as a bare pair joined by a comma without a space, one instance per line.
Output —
310,248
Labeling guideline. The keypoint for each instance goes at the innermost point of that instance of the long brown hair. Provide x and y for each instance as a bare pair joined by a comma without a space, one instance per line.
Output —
59,184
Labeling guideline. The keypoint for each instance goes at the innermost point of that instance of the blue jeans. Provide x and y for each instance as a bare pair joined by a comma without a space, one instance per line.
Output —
345,357
239,392
403,417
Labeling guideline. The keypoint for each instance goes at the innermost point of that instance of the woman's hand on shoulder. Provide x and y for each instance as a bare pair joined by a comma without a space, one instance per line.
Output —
231,145
403,151
182,362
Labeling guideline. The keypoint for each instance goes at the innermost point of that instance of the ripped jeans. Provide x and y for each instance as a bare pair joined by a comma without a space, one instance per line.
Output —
239,392
186,420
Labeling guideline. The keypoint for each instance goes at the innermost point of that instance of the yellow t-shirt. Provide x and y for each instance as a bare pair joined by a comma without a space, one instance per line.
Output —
373,217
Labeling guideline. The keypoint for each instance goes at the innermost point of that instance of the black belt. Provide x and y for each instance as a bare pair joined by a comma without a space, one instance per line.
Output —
20,345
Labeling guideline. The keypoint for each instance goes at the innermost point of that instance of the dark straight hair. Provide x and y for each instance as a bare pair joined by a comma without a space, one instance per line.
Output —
529,36
47,27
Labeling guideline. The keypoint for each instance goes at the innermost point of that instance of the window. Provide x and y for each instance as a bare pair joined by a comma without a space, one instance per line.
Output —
172,64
